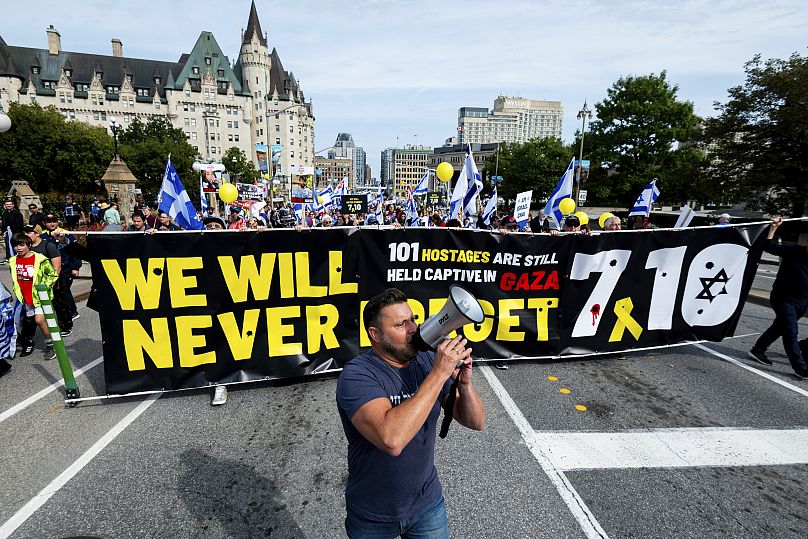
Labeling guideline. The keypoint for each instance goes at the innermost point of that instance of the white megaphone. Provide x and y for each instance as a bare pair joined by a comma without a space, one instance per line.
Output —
460,309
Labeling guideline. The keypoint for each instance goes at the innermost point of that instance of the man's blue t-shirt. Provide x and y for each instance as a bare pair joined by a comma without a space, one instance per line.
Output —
382,487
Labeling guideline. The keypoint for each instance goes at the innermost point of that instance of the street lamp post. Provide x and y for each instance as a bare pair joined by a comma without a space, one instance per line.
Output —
582,115
116,127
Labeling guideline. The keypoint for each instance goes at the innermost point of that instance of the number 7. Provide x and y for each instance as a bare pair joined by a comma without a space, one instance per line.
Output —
610,265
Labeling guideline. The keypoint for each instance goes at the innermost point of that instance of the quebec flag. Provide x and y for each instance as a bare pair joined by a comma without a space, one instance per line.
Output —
175,202
562,190
646,199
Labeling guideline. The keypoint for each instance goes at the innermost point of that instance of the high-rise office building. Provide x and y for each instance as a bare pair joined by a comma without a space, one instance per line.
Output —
513,119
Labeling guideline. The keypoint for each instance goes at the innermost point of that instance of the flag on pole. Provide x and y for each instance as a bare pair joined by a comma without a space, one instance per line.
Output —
423,186
490,208
413,218
562,190
474,182
456,203
646,199
203,201
173,199
10,313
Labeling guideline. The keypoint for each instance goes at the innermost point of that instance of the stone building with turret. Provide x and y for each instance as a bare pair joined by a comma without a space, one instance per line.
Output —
251,103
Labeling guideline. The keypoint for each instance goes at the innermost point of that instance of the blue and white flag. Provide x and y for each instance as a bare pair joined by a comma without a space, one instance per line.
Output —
458,195
646,199
10,313
174,200
413,219
490,208
203,201
474,183
423,186
562,190
8,240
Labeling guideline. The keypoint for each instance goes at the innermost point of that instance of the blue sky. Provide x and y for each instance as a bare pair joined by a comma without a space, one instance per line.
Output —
381,69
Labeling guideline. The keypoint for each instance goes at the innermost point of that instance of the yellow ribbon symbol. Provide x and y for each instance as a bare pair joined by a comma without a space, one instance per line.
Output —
623,308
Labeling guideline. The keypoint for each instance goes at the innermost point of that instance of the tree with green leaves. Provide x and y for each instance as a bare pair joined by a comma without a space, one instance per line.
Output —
643,131
759,141
239,166
52,154
145,147
535,165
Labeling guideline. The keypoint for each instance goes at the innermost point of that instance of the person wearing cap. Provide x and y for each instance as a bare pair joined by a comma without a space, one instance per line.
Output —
63,302
213,222
236,221
112,217
35,216
723,220
12,223
74,214
95,211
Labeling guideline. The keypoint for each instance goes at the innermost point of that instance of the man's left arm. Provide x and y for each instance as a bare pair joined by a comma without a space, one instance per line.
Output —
468,409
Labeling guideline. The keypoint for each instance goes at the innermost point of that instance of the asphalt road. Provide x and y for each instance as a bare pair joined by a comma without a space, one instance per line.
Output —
679,442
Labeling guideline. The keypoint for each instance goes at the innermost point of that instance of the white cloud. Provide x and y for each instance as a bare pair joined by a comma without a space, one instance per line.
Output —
377,68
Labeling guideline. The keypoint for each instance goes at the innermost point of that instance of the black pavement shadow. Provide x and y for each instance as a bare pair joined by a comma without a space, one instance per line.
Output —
243,503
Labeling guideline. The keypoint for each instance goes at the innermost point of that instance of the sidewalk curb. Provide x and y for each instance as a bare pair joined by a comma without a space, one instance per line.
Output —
758,297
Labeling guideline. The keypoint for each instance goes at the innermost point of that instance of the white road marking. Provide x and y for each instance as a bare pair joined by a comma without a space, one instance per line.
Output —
765,375
589,524
19,518
675,448
38,395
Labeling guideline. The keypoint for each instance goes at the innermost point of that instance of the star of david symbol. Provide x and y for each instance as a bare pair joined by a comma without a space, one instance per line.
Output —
708,282
639,201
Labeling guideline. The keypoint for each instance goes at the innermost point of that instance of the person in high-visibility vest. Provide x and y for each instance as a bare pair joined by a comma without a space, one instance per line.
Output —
29,269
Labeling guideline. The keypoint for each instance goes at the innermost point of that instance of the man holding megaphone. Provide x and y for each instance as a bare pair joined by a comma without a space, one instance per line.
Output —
389,402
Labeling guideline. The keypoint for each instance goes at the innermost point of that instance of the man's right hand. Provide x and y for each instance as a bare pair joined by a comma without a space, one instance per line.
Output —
450,353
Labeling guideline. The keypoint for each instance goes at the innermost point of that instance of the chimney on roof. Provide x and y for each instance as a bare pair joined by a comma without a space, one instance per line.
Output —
117,47
54,40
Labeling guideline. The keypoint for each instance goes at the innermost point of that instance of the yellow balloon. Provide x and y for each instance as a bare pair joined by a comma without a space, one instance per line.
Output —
566,206
228,193
602,219
444,172
582,217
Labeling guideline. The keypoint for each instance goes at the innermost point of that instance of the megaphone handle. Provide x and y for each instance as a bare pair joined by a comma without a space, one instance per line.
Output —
448,409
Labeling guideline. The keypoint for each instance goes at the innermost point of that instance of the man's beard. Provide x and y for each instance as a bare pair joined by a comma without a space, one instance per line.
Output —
403,354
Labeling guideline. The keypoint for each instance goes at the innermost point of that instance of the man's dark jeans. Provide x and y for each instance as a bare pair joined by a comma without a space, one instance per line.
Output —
787,313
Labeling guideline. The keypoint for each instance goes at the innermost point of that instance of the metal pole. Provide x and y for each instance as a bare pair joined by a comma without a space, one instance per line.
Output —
71,389
582,114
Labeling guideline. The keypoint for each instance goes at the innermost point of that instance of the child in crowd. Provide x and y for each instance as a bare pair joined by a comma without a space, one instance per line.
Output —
29,269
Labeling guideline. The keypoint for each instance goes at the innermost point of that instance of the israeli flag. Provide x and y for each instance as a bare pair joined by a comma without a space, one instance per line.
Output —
562,190
458,195
646,199
10,313
203,200
490,208
412,211
474,183
175,202
423,186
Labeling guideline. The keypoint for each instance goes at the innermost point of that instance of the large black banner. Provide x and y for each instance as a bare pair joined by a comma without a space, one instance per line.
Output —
183,310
